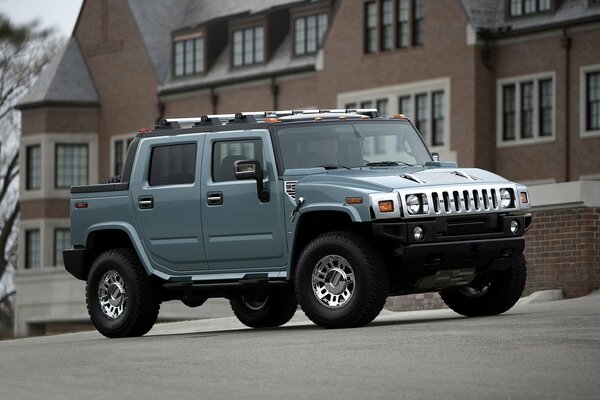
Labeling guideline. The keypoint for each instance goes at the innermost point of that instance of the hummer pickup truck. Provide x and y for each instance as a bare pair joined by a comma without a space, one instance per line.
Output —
334,210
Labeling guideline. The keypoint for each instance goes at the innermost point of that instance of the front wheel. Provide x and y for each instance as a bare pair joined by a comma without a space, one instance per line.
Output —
121,299
341,281
264,311
492,296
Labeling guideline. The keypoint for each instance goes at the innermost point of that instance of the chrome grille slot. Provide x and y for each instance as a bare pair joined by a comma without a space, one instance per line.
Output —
290,189
436,202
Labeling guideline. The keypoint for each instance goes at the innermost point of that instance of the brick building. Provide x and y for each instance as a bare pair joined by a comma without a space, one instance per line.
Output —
512,86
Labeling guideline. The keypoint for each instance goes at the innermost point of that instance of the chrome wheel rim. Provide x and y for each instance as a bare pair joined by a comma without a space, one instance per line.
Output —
255,303
333,281
112,294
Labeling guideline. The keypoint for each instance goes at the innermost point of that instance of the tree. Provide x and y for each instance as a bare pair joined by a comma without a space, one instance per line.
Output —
24,51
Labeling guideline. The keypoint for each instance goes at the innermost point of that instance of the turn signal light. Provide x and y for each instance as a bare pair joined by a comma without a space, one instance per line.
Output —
386,206
81,204
524,198
354,200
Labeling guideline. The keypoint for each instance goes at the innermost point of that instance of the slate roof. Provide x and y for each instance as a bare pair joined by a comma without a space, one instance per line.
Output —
65,79
492,15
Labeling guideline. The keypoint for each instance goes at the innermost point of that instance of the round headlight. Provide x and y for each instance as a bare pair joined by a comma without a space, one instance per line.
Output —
505,198
413,204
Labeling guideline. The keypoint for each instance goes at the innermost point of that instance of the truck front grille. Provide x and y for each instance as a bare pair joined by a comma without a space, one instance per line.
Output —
462,200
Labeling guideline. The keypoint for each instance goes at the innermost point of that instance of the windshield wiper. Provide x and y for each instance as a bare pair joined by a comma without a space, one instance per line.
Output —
387,163
334,166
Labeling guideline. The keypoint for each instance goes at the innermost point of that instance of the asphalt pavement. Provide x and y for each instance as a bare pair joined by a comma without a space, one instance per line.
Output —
537,350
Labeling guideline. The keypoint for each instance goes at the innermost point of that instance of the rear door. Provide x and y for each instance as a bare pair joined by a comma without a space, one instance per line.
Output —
241,232
166,200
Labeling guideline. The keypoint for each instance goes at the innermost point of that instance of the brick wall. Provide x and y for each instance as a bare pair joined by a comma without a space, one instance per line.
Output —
562,251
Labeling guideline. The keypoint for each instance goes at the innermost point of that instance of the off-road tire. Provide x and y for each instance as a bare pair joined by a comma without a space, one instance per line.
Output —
142,295
371,280
505,288
277,310
112,179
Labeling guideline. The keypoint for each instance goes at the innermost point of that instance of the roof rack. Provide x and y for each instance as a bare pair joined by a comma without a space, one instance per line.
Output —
261,116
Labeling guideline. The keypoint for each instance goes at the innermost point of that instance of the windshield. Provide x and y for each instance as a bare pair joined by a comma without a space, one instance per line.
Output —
351,144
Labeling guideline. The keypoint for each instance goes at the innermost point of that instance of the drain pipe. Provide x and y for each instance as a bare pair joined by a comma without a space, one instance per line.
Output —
275,93
565,41
214,100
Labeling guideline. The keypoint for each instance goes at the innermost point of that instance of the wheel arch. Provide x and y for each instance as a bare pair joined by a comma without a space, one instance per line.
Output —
314,223
103,237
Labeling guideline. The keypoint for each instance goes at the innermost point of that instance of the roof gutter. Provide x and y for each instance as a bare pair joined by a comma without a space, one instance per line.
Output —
507,31
234,81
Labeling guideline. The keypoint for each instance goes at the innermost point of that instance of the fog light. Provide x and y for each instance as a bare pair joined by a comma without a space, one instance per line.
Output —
418,233
514,226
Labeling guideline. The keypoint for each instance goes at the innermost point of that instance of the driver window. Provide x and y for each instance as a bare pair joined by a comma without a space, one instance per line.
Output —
226,153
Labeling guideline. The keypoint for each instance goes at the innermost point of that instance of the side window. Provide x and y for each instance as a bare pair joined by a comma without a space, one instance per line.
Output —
226,153
173,164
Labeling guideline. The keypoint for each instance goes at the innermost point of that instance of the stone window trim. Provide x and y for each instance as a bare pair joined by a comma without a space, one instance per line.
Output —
48,142
123,141
583,101
198,63
394,94
518,82
46,228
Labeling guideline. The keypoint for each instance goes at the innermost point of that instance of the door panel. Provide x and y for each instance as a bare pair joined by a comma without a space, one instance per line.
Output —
239,231
166,202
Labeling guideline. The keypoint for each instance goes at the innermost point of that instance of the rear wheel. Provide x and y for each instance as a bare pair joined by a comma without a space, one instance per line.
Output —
121,299
341,280
264,311
491,296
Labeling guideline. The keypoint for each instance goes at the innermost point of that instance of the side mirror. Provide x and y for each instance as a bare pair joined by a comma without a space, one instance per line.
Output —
436,156
251,169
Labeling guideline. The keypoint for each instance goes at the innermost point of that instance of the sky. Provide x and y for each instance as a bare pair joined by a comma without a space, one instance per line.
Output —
60,14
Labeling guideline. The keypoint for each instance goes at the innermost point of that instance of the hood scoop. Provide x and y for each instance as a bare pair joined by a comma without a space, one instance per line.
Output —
413,178
464,175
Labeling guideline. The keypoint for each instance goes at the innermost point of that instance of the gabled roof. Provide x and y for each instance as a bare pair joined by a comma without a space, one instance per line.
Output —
492,15
65,80
155,21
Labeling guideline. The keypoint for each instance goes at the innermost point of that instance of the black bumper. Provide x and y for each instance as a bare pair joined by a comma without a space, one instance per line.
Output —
75,263
480,242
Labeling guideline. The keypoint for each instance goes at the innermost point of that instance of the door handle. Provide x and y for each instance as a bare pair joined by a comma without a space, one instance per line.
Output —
214,198
145,202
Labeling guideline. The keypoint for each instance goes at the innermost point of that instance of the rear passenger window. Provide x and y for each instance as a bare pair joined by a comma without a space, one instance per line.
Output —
173,164
225,154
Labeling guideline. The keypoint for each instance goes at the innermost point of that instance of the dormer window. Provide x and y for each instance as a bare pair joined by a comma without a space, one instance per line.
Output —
309,31
248,46
518,8
188,55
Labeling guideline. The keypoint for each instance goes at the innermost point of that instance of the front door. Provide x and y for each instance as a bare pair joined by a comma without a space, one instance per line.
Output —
241,232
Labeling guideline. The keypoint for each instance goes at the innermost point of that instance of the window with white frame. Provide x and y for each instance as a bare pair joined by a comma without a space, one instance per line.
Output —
387,17
526,109
308,33
119,149
248,46
62,241
32,249
33,178
518,8
589,100
426,104
71,166
188,56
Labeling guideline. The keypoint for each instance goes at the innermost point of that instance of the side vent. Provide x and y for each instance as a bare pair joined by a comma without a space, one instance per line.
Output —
290,189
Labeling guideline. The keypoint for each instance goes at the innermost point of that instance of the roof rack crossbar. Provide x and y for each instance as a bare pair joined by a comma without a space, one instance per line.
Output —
260,116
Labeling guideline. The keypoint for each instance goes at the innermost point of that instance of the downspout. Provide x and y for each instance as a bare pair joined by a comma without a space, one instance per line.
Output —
486,55
565,41
161,110
275,93
214,100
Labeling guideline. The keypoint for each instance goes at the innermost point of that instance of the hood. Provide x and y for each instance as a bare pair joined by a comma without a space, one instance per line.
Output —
388,179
